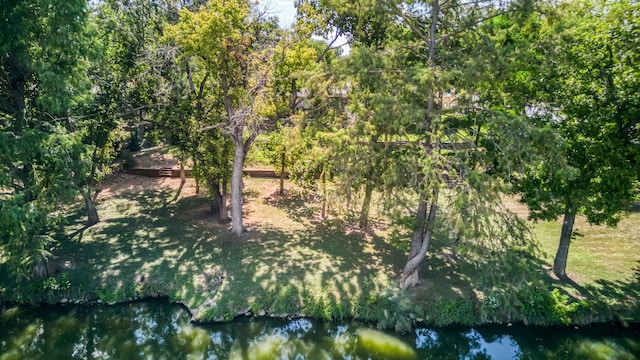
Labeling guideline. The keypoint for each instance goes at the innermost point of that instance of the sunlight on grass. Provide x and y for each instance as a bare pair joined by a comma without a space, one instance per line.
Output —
599,252
149,238
289,258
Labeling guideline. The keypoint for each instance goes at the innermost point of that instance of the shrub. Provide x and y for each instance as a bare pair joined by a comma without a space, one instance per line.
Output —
287,302
127,161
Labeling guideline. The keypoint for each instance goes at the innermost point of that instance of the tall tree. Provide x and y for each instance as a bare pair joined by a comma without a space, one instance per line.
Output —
586,66
41,60
237,46
427,89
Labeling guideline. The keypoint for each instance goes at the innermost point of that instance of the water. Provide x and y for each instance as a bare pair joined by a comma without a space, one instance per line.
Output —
158,330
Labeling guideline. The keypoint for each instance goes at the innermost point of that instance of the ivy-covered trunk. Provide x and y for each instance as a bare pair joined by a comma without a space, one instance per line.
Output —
560,261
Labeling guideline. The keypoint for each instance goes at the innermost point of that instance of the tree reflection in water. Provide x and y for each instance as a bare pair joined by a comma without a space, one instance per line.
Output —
155,329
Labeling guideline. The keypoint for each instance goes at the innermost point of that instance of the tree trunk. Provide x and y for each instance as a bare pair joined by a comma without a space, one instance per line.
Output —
92,212
224,214
323,213
366,206
183,180
236,189
219,200
183,176
560,261
410,275
418,229
282,163
423,231
215,197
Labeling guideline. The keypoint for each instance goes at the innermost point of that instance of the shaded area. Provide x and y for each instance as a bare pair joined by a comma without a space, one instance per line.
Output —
149,245
291,263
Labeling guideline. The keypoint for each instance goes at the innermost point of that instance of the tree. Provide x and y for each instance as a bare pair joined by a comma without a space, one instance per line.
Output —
237,47
434,89
247,52
41,60
590,92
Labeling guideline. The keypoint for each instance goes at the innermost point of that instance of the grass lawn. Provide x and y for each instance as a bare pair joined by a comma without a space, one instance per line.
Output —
152,242
147,240
603,261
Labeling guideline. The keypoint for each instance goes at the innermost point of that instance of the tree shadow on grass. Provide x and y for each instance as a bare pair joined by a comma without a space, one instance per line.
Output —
147,241
625,292
140,240
295,204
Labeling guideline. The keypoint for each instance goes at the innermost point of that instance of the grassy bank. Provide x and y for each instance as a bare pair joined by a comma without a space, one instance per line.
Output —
153,243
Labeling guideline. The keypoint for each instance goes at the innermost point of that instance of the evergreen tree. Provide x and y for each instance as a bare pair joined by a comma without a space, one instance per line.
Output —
41,60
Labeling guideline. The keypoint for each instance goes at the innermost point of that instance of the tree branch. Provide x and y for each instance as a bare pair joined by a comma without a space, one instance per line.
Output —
329,47
412,26
250,140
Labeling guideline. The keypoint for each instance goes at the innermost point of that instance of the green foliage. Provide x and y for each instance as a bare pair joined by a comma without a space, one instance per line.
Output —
49,290
55,284
316,307
259,154
127,160
443,312
44,51
286,302
112,293
392,309
284,147
543,307
135,141
29,212
325,306
153,138
593,92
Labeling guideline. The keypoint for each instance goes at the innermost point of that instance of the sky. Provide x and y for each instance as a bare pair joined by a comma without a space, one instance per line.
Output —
283,9
286,13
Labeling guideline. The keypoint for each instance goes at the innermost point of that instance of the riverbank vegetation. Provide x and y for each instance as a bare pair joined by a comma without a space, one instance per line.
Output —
420,157
291,263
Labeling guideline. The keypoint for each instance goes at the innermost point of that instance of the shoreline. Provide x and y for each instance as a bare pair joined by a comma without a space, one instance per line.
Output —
151,243
593,320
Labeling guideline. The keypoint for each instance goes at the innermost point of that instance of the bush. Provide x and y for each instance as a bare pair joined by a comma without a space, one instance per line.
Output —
135,141
127,161
458,311
153,138
540,306
287,302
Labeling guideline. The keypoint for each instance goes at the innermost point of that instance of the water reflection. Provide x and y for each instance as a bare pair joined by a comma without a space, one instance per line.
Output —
157,330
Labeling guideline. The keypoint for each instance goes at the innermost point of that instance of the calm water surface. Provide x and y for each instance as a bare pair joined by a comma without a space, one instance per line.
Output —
158,330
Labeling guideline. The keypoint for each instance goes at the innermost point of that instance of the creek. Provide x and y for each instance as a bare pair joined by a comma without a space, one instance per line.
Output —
155,329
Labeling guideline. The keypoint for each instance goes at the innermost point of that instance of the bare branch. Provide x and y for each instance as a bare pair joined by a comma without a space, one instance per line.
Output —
328,47
219,126
412,26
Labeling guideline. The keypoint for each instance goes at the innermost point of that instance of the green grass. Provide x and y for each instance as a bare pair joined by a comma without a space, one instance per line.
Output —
148,244
601,253
603,262
290,262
